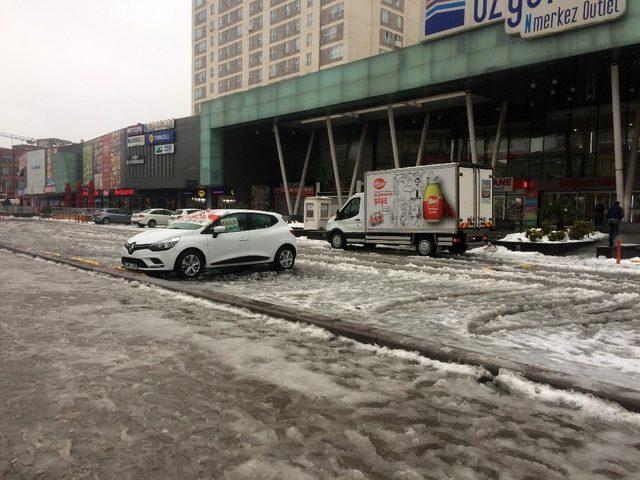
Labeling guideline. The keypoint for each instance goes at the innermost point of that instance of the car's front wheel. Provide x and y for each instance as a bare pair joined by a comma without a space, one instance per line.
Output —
106,221
285,258
189,264
152,224
338,240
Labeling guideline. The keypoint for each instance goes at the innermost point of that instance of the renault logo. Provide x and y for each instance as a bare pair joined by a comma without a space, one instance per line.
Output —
131,247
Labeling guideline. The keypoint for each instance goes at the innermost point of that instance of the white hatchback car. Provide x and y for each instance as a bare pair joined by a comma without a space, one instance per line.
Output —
213,239
151,217
182,213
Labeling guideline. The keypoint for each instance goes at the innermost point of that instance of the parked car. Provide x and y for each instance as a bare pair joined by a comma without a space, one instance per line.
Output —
213,239
152,217
182,213
105,216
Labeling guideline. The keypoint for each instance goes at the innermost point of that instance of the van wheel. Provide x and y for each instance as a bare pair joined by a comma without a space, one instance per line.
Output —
285,258
426,247
189,264
338,241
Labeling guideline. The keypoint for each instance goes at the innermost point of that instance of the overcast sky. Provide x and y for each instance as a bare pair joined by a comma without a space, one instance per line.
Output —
76,69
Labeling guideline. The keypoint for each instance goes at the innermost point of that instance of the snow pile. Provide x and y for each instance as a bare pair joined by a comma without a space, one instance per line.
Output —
522,237
296,225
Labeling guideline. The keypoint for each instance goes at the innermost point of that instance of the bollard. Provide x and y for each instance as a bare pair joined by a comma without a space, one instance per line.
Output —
618,251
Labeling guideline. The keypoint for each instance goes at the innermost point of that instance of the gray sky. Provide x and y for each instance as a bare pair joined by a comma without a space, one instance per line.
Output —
76,69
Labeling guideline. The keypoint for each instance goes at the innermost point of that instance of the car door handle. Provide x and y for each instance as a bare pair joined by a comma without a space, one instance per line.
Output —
244,239
358,220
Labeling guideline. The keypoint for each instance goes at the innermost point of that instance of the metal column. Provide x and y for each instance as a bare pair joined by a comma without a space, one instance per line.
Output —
472,129
496,146
617,131
423,138
285,183
394,138
356,167
303,177
334,160
631,167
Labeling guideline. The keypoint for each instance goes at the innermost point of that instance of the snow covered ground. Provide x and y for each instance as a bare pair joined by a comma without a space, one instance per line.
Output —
522,237
571,314
100,378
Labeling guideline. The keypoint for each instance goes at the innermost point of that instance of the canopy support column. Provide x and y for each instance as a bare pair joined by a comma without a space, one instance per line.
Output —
334,160
285,183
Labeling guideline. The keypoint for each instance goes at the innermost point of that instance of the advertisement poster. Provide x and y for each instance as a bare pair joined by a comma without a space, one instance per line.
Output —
107,161
421,197
116,159
50,181
36,172
164,136
87,163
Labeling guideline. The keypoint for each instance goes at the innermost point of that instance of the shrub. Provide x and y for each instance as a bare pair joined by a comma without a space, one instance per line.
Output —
547,229
557,236
534,234
580,230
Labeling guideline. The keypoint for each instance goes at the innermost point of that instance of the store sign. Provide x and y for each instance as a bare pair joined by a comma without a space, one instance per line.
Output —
164,136
137,129
202,193
160,125
135,141
503,184
164,149
124,192
137,159
527,18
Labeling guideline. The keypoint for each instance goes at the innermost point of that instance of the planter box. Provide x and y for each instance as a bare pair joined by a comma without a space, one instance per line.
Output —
559,248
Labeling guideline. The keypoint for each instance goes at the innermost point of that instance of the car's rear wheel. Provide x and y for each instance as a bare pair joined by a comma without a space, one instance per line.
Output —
285,258
338,240
189,264
106,221
152,224
140,225
426,246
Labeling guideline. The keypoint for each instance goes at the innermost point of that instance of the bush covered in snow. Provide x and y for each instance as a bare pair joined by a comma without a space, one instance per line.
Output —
534,234
580,230
557,236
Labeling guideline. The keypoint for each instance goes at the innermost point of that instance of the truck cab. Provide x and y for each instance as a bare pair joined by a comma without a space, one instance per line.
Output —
347,225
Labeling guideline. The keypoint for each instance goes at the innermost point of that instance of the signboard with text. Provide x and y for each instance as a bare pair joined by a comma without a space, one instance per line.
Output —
136,141
137,159
163,136
164,149
527,18
137,129
160,125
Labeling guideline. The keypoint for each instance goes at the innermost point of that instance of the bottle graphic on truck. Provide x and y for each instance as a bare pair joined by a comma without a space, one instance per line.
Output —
433,201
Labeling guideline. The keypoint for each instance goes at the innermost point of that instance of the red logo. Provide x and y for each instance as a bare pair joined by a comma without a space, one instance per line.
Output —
379,183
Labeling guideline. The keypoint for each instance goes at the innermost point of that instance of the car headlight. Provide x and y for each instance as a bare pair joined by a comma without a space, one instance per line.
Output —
164,244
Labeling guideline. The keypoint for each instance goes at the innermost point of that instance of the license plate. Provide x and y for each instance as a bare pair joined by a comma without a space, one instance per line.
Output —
130,266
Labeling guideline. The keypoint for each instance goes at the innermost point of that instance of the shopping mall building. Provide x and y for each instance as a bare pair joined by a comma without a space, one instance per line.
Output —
546,91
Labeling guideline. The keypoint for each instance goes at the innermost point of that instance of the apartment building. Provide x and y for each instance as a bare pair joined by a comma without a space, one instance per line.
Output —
241,44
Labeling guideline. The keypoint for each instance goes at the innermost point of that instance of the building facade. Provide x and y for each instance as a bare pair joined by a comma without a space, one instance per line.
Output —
242,44
553,108
8,174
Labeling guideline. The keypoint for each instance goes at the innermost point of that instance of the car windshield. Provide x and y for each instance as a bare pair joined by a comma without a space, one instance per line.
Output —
184,226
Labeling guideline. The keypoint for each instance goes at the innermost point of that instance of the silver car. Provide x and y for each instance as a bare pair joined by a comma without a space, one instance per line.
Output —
105,216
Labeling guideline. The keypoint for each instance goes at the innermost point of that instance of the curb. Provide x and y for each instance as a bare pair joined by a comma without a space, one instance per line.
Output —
626,397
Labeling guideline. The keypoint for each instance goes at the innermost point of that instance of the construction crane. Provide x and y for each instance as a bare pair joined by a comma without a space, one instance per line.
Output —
28,140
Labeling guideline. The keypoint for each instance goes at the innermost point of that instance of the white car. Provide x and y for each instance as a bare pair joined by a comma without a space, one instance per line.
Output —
151,218
182,213
213,239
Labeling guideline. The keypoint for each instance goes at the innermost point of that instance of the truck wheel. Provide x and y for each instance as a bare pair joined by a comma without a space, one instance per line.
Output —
426,247
338,241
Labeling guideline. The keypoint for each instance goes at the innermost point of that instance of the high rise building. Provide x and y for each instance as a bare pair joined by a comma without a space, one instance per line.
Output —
241,44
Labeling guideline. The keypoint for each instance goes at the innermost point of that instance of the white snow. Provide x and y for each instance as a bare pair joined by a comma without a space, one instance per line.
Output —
522,237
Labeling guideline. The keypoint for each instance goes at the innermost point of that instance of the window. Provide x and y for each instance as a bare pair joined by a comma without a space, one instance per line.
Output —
309,39
261,221
309,58
309,3
201,47
384,16
309,19
198,3
335,52
200,62
351,209
236,222
337,11
200,32
200,17
200,78
309,213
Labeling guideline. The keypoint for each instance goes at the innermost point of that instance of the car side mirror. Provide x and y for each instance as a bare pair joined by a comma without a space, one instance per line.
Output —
338,215
220,229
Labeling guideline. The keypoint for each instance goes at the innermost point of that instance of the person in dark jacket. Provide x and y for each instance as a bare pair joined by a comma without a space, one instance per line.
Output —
614,216
598,216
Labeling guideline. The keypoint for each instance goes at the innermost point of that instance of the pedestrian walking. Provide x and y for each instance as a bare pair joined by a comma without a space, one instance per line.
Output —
614,216
598,216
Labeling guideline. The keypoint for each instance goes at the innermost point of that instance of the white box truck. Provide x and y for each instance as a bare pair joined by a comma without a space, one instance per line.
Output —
431,207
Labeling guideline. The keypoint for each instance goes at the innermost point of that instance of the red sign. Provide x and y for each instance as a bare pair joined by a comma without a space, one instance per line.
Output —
379,183
124,192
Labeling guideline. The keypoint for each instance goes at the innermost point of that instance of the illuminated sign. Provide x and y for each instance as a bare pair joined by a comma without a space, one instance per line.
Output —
136,141
164,149
137,129
164,136
527,18
124,192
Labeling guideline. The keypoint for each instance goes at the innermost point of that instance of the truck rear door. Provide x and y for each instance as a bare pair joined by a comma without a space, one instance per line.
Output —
476,197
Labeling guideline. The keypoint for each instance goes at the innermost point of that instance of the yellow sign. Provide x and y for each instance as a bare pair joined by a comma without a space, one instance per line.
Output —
202,193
